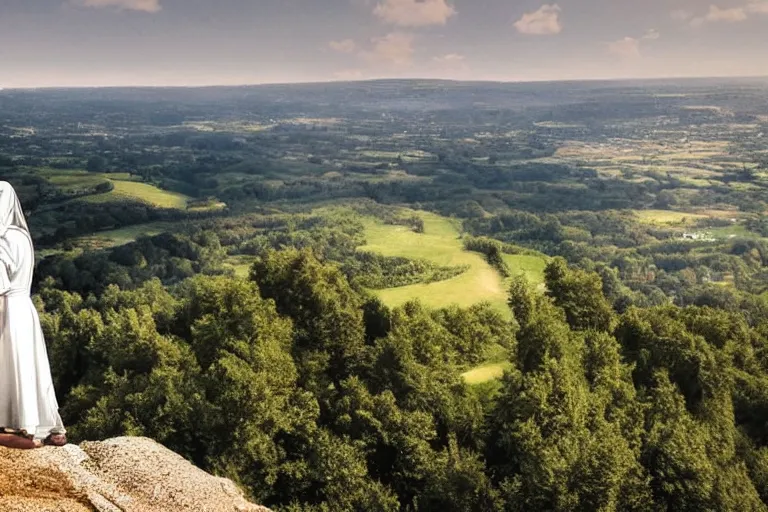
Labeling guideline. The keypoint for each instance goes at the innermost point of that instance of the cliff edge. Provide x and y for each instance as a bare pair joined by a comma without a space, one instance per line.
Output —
125,474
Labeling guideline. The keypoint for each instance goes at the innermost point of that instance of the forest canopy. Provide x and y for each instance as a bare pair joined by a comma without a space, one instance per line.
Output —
317,397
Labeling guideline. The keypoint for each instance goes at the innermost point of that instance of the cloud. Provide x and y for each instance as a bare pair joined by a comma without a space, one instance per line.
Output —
627,48
760,7
681,15
545,21
415,13
450,58
123,5
730,15
345,46
651,35
631,47
393,50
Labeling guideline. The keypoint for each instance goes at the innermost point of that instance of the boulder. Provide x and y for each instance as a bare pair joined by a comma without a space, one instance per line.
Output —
125,474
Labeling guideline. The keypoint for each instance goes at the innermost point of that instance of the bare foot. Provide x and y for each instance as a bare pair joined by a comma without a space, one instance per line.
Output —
55,440
18,442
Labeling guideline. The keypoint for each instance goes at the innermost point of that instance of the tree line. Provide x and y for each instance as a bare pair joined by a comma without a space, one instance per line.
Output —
315,396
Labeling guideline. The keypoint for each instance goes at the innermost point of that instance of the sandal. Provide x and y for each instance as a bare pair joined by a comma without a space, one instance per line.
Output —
55,439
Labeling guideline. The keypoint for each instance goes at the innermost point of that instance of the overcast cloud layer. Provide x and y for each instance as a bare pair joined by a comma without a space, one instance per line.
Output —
206,42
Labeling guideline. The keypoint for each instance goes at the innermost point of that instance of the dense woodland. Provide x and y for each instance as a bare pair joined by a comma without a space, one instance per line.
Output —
245,329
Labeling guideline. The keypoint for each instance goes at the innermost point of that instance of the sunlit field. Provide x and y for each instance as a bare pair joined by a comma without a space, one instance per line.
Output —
441,244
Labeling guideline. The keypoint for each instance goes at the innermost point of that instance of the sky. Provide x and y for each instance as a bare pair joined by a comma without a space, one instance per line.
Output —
63,43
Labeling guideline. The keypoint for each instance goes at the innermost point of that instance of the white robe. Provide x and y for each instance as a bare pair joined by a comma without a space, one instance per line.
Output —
27,398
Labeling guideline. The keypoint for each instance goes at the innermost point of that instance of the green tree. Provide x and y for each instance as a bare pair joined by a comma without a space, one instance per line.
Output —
564,433
327,313
580,294
96,164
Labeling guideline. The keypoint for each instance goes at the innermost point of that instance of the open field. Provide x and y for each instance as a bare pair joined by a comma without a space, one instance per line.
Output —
241,264
485,373
441,244
695,164
213,126
122,236
532,267
141,192
75,182
735,231
126,187
668,217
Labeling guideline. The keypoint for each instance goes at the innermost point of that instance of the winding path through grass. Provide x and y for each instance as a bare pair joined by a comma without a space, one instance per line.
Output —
440,243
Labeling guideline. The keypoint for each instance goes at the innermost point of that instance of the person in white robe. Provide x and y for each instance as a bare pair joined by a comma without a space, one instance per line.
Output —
28,405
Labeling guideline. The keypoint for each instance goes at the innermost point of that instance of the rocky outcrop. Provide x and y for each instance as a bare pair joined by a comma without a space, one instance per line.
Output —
118,475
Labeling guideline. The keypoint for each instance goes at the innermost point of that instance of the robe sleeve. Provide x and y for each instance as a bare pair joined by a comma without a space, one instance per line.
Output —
8,266
5,282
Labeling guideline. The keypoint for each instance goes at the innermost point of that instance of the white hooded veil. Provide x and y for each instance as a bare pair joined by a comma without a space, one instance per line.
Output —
11,213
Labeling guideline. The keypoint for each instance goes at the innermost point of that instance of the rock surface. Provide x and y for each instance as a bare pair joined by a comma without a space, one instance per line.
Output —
118,475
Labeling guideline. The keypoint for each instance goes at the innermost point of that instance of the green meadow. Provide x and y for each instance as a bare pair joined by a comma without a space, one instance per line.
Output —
241,264
441,243
126,188
667,217
531,266
76,182
122,236
141,192
486,373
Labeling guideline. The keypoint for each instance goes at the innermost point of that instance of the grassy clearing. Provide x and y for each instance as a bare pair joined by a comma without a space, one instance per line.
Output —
126,188
668,217
696,182
556,124
72,181
651,155
735,231
141,192
241,264
389,177
77,184
208,206
379,155
122,176
122,236
235,126
486,373
532,267
441,244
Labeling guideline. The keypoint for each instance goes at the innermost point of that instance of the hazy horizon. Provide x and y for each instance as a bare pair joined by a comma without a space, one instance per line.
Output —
98,43
382,79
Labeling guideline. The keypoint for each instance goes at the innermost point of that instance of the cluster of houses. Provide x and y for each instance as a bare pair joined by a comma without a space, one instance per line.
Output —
698,236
